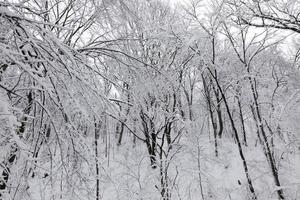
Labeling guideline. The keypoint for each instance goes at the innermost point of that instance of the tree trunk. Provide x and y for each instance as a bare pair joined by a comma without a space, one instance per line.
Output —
242,121
250,185
267,149
97,129
211,114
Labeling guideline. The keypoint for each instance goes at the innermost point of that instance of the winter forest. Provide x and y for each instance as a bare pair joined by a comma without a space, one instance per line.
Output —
149,99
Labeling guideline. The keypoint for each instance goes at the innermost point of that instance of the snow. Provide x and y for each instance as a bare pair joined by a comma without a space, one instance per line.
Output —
7,12
61,102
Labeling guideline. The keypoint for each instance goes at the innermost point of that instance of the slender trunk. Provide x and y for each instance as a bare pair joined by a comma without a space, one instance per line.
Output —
148,139
256,124
104,131
97,160
267,149
199,173
211,114
272,139
167,132
219,111
250,185
153,139
242,121
179,95
134,130
190,111
120,134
